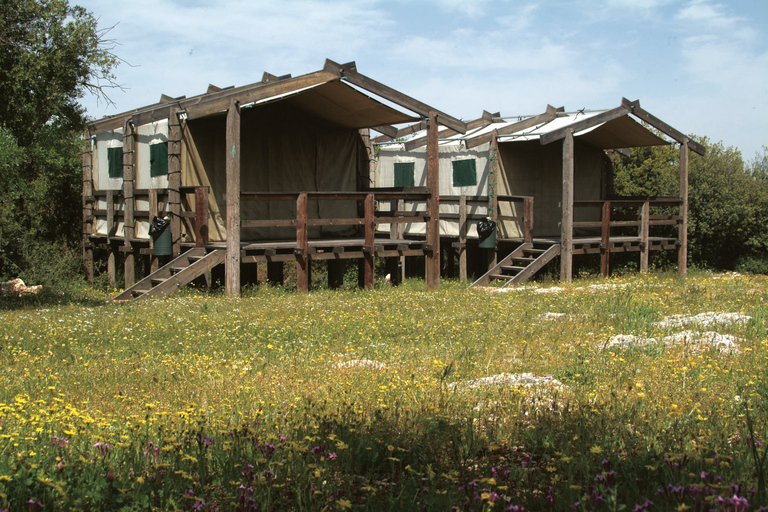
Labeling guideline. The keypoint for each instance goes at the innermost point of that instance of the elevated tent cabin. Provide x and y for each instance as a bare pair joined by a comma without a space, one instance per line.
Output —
547,180
271,172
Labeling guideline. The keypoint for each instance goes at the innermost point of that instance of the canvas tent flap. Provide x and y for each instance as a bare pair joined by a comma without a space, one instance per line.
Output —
622,132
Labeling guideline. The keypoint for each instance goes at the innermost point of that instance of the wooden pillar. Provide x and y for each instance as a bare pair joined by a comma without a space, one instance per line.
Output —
682,252
493,200
129,202
605,242
528,219
400,235
275,273
154,261
88,199
645,250
302,243
433,206
463,237
370,247
232,154
335,273
201,216
174,177
566,230
111,264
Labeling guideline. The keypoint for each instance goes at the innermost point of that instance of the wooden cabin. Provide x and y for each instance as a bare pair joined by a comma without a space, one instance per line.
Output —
272,172
546,180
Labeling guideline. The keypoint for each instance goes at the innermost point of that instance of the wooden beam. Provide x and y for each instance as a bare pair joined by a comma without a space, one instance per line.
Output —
269,77
433,206
584,124
174,180
201,216
682,252
350,74
605,241
463,226
232,154
302,244
129,202
389,131
566,229
545,117
486,119
645,250
87,227
369,209
660,125
154,263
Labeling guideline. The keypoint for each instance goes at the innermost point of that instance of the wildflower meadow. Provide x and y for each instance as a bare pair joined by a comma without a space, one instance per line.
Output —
638,393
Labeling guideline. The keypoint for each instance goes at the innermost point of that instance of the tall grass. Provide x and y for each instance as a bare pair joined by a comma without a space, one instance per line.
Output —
397,399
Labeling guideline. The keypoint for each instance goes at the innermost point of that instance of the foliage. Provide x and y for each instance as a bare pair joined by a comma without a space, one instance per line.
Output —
728,199
51,54
397,399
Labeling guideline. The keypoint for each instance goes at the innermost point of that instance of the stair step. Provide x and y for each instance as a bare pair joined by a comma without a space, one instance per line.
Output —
158,280
513,267
138,293
193,259
534,251
176,270
523,258
502,277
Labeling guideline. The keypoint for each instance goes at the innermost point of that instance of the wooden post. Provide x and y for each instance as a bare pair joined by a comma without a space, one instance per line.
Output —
174,176
129,202
493,200
87,228
605,242
232,154
682,252
302,243
433,206
110,232
370,247
154,261
566,230
463,237
201,216
528,220
400,235
645,250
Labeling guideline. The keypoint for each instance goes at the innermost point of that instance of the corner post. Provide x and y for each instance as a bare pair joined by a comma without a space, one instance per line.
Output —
370,247
645,250
302,243
463,237
201,216
87,230
232,152
174,179
682,252
129,181
566,230
605,242
433,206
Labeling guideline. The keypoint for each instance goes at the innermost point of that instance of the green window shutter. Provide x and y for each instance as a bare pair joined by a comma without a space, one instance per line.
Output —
464,173
158,159
115,162
404,172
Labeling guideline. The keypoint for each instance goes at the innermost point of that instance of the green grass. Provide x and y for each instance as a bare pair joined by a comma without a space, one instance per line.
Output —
372,400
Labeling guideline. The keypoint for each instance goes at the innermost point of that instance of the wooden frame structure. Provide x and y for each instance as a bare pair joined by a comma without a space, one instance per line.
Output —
111,216
581,133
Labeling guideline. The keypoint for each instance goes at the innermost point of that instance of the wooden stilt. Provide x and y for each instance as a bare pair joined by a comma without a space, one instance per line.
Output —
302,244
174,178
605,243
154,262
682,252
463,237
369,242
87,229
433,206
129,201
566,230
232,260
645,251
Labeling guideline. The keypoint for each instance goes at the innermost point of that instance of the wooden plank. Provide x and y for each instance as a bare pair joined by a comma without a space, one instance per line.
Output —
154,262
268,223
111,263
682,253
232,154
523,124
201,216
433,206
528,222
129,201
369,207
566,229
584,124
605,255
302,258
350,74
660,125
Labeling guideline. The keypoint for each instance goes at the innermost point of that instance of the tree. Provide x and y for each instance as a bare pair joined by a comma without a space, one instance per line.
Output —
51,55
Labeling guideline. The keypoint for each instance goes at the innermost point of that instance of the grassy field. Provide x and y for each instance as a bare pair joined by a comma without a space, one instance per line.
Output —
601,395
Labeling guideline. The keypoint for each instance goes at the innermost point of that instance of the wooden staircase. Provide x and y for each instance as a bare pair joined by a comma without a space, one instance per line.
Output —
520,265
179,272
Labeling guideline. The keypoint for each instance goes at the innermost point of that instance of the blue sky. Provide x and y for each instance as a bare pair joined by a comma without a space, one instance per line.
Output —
700,65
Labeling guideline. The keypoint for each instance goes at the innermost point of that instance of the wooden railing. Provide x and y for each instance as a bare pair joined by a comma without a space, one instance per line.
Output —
644,222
